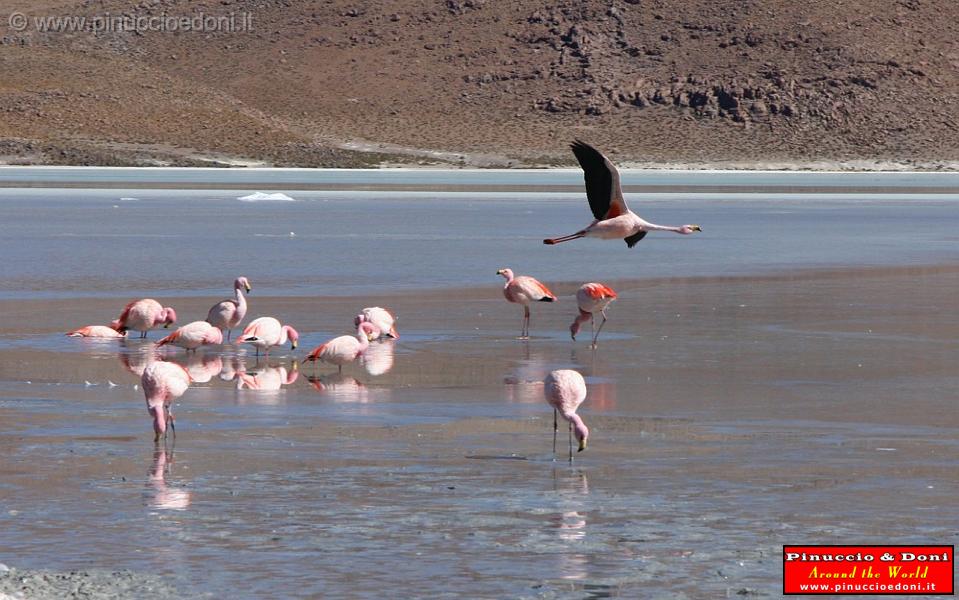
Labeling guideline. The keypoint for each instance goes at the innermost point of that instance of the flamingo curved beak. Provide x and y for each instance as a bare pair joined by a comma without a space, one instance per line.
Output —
293,345
248,287
695,227
582,445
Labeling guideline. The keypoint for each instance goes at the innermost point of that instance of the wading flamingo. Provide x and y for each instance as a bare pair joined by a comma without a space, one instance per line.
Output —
565,390
523,289
381,318
591,298
344,349
96,331
613,217
228,314
193,335
163,382
266,332
144,315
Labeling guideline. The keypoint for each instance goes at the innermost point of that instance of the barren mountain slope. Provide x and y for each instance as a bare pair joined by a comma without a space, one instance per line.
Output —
504,82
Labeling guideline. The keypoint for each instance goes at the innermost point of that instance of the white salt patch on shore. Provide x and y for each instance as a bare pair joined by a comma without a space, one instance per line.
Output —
263,196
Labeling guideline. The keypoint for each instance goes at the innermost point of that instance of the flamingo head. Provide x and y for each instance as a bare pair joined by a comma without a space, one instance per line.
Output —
687,229
115,324
369,330
507,273
242,282
582,434
293,336
359,319
168,316
580,319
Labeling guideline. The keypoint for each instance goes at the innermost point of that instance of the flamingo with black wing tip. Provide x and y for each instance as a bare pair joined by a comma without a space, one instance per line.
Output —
605,195
523,289
265,332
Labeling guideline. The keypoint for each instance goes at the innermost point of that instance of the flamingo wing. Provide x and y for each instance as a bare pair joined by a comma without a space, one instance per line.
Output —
632,240
172,338
598,291
602,182
122,319
533,289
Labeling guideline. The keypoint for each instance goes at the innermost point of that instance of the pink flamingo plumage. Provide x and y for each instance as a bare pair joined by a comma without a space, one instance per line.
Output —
163,382
381,318
193,335
613,219
144,315
228,314
523,289
565,390
346,348
266,332
591,298
96,331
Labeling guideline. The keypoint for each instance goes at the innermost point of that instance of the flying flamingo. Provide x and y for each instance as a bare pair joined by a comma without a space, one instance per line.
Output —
346,348
193,335
228,314
565,390
613,217
266,332
381,318
96,331
163,382
591,298
144,315
523,290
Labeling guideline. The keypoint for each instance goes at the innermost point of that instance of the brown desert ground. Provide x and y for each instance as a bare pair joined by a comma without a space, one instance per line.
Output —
480,83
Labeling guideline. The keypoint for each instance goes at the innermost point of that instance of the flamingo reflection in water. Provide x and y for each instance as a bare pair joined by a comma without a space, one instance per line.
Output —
164,496
340,387
378,357
570,491
267,379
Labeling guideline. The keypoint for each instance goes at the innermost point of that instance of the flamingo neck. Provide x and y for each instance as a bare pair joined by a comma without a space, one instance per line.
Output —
582,432
655,227
361,336
240,299
581,318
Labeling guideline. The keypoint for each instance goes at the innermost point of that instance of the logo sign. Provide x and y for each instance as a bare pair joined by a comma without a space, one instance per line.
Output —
866,570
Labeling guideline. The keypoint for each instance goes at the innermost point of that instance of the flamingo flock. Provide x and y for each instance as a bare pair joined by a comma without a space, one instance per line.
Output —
564,390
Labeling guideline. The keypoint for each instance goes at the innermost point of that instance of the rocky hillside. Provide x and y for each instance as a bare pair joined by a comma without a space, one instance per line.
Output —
354,83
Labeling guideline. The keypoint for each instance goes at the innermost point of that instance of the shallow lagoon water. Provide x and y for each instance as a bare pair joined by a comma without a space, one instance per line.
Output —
751,389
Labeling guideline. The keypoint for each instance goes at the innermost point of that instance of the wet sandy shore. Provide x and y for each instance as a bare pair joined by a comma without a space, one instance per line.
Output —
729,416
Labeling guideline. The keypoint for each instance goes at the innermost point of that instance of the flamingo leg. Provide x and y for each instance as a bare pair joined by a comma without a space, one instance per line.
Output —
555,429
592,326
228,332
565,238
596,337
570,442
525,322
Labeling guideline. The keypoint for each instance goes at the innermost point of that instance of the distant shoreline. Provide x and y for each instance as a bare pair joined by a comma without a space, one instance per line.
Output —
445,180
